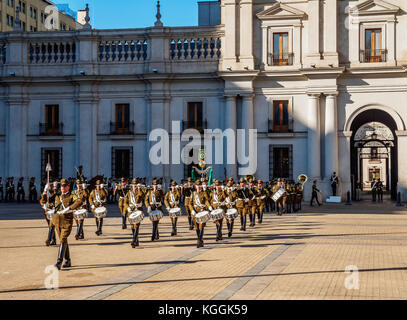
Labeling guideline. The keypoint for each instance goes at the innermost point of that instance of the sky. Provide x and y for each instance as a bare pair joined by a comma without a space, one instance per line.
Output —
113,14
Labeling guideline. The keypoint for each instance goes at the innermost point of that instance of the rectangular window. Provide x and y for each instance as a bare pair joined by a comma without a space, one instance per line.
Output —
11,21
24,26
7,19
280,161
23,7
280,116
195,115
122,162
122,124
280,49
373,45
35,13
31,12
54,156
52,119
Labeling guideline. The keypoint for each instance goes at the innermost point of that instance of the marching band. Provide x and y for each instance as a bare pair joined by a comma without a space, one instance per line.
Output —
200,200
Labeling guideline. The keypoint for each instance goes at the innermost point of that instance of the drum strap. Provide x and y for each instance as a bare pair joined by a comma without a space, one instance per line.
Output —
62,203
198,202
153,201
173,201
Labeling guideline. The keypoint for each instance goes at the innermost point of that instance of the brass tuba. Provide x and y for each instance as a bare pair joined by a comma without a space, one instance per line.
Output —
302,178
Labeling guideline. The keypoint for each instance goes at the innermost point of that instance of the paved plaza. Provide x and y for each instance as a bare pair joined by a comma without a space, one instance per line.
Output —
294,256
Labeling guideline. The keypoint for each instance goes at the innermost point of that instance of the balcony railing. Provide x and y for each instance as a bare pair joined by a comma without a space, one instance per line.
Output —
373,55
48,130
118,128
200,126
286,59
272,128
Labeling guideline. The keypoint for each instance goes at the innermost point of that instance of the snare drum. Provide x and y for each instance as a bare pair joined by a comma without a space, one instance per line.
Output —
100,212
279,193
156,215
50,214
136,217
202,217
232,214
174,212
80,214
217,214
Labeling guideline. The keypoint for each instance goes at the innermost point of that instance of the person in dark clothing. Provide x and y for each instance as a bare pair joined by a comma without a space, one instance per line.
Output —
315,191
374,190
379,188
358,187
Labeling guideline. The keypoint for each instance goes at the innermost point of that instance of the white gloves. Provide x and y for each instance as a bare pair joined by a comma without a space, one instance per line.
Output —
168,208
92,207
193,212
210,208
44,207
128,210
46,188
149,209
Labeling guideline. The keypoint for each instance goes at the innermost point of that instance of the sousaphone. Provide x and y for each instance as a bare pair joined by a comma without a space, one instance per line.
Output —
302,178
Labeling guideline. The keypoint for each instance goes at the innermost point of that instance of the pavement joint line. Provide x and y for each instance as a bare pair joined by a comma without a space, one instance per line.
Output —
240,282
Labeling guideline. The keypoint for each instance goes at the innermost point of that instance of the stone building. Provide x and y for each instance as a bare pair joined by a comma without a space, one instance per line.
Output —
307,74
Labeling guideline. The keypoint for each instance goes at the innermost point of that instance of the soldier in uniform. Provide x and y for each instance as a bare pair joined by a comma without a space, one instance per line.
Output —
374,190
153,201
63,221
122,190
12,190
379,188
334,183
98,199
133,202
298,196
172,200
242,203
280,203
315,191
199,202
20,190
83,193
1,190
261,194
217,201
47,202
252,204
32,196
290,188
231,197
110,196
187,192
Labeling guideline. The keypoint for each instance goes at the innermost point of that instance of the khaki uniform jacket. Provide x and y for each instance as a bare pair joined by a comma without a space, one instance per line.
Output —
84,194
122,191
63,222
102,195
263,192
221,198
186,192
243,194
138,199
203,199
159,197
232,195
177,198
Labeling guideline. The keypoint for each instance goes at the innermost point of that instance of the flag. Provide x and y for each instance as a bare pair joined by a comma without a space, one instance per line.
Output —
210,178
193,175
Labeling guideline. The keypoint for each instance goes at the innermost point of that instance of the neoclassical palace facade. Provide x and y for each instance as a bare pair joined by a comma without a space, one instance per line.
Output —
323,82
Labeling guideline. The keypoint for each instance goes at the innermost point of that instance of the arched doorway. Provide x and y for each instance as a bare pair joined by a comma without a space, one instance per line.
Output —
374,151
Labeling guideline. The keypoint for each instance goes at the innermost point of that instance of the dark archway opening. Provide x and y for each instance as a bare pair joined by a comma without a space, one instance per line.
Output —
391,165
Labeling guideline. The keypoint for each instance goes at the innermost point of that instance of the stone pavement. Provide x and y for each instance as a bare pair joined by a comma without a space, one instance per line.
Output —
294,256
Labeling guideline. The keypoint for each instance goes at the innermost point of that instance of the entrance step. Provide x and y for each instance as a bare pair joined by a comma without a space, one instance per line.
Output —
333,199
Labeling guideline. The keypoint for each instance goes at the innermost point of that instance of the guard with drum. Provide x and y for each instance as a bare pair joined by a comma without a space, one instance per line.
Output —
47,201
217,201
187,192
97,201
199,206
63,220
252,204
231,211
242,202
134,207
82,212
172,201
122,190
278,196
261,197
153,203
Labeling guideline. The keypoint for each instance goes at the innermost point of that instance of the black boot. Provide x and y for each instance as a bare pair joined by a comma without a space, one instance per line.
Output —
77,231
217,232
81,234
134,242
51,235
251,220
191,225
229,224
201,243
220,231
154,234
254,220
175,226
61,255
124,226
260,217
241,223
67,263
100,224
157,234
173,229
231,228
244,223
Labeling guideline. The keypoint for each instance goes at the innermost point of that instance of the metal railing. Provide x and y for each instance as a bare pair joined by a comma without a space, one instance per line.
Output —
49,130
286,59
274,128
120,128
378,55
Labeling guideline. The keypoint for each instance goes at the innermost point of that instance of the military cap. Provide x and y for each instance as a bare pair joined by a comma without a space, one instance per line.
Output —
78,181
189,179
259,181
242,180
198,182
173,183
155,182
134,181
230,184
123,179
64,182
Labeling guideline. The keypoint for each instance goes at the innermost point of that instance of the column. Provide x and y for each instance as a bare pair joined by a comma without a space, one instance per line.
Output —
246,34
247,117
331,136
330,32
314,148
402,169
231,123
229,41
313,54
